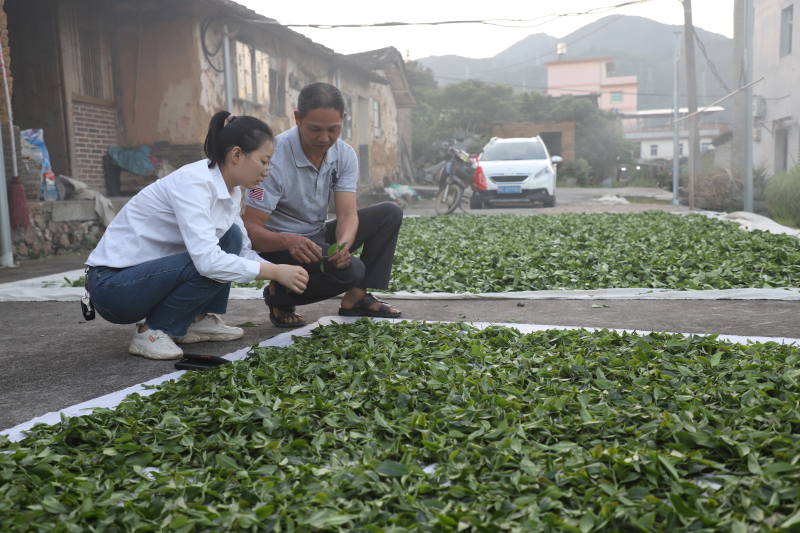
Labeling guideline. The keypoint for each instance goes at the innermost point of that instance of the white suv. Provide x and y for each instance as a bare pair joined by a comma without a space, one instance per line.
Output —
516,169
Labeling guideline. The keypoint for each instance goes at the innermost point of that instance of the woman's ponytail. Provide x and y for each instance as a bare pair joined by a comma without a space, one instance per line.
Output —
248,133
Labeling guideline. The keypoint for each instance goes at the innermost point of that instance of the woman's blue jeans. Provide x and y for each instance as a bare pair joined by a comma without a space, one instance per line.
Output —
168,292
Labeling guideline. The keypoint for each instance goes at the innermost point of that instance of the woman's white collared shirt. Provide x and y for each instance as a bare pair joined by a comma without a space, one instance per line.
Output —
187,211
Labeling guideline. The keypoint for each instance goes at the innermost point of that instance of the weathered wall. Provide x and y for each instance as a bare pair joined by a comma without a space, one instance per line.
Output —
383,150
165,103
178,91
95,129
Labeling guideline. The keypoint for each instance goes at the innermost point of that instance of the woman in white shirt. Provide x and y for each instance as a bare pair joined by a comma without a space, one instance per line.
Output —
170,255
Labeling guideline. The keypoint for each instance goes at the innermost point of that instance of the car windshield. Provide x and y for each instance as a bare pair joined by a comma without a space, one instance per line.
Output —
513,152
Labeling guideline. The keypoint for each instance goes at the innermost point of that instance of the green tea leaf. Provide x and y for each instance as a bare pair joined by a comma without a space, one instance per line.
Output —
391,469
680,506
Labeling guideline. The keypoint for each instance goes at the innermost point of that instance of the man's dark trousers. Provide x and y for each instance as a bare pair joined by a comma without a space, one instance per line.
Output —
378,227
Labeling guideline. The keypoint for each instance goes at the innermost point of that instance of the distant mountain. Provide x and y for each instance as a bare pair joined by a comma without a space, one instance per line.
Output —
640,46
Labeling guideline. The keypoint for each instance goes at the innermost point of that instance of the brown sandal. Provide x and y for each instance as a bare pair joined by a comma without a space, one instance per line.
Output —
283,313
362,308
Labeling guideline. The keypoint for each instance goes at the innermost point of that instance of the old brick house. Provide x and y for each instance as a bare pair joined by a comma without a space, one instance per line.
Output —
94,73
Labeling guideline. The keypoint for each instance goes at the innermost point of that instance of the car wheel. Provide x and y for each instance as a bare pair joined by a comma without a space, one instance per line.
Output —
550,202
474,203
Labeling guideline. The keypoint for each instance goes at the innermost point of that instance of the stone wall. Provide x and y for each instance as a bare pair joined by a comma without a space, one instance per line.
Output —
57,228
95,129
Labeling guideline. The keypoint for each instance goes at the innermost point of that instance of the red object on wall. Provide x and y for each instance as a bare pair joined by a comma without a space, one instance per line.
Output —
479,179
17,205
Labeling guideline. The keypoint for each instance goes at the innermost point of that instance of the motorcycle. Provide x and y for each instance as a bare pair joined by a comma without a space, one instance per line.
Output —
454,178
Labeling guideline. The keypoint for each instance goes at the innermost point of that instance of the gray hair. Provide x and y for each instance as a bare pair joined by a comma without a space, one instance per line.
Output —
320,95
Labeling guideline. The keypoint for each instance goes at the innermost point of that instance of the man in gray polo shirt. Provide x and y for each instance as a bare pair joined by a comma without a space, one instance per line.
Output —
286,216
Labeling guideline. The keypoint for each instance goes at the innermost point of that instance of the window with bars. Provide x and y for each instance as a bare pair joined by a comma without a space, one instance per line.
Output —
277,93
244,72
376,119
653,150
261,73
89,48
616,96
253,81
787,16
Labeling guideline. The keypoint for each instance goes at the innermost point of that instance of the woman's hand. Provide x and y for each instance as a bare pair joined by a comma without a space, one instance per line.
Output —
294,277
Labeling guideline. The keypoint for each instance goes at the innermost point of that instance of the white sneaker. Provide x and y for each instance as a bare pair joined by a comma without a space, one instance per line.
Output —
211,328
154,344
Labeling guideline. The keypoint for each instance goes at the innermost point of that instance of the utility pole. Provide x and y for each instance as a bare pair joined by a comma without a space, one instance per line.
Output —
676,143
748,105
691,92
737,151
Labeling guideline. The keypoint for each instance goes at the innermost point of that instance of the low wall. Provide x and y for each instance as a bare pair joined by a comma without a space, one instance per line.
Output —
59,228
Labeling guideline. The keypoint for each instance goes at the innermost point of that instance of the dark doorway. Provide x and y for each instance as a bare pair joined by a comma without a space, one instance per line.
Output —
33,37
552,140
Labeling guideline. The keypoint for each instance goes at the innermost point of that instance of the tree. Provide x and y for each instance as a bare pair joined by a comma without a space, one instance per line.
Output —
475,107
598,136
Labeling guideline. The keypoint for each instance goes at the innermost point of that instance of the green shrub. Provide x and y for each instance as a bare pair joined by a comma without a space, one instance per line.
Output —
580,169
783,197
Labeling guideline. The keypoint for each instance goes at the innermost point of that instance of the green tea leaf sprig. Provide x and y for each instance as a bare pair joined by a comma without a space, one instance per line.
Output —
333,249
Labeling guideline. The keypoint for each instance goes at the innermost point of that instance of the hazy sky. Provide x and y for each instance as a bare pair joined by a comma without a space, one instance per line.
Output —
471,40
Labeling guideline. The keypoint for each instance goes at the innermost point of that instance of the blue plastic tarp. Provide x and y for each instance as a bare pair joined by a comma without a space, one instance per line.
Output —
136,160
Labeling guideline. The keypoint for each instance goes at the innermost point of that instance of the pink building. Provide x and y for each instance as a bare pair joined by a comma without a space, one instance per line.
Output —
593,76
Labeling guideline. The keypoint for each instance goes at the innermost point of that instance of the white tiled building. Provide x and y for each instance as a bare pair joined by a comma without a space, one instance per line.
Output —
776,135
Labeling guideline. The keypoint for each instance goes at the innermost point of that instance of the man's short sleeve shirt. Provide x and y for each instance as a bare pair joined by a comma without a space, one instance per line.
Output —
295,193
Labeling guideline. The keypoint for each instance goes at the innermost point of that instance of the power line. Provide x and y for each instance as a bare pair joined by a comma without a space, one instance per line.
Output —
710,63
503,23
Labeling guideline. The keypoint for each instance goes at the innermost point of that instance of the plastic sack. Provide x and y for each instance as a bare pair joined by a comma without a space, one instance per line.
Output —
36,138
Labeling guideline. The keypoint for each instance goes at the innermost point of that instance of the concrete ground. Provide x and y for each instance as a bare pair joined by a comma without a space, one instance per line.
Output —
568,200
34,268
51,358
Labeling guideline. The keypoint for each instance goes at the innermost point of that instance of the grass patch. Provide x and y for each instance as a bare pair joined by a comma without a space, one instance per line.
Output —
433,427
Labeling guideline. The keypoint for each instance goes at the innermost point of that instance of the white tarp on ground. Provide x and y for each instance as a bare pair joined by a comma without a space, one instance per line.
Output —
49,289
112,400
747,221
34,290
